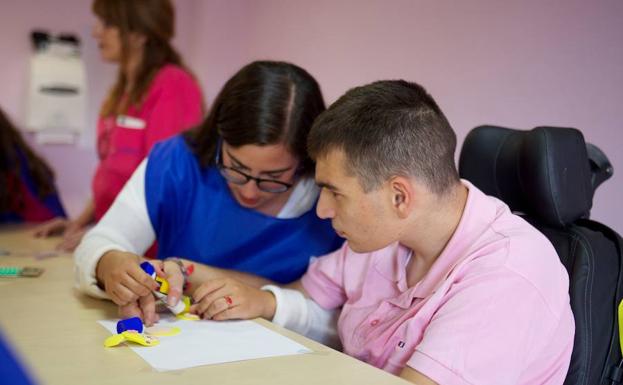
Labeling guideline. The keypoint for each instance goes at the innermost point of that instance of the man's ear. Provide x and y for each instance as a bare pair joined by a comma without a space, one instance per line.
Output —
402,195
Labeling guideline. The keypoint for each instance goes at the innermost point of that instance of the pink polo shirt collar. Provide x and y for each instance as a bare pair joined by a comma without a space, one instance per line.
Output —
471,226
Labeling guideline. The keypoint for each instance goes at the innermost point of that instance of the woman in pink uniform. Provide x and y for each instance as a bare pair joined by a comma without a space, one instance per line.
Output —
153,98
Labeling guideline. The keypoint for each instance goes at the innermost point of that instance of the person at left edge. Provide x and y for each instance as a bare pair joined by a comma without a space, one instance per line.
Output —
27,189
155,97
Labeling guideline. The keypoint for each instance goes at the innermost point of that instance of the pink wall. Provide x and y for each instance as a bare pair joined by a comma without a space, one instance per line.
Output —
514,63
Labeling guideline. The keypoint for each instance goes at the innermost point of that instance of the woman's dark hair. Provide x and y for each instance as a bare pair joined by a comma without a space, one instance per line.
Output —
13,151
154,19
266,102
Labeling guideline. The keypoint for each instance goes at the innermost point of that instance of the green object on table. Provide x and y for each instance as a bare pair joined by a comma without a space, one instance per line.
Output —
10,271
13,271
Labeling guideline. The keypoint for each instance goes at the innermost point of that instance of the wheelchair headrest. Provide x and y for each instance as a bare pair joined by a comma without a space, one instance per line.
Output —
544,172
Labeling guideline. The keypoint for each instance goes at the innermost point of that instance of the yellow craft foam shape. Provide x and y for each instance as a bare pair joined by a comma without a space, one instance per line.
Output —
131,336
188,317
163,331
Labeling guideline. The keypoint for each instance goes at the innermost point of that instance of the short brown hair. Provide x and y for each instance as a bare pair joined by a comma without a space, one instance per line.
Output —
388,128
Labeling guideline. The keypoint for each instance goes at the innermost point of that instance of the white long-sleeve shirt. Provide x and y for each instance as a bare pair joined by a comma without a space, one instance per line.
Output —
304,316
126,227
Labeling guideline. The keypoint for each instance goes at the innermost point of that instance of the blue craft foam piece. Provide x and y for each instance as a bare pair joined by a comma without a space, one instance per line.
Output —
133,323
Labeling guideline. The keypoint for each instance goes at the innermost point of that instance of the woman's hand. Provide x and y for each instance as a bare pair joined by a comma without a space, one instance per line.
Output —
123,279
144,308
72,232
71,238
226,298
172,272
52,227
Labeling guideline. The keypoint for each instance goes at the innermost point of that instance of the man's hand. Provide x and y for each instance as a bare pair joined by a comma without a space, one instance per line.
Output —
123,279
226,298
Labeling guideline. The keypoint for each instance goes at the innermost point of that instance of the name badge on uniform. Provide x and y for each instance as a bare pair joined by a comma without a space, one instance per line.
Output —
130,122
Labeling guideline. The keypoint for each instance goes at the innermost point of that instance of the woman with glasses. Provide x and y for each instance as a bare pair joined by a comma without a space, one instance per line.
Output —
235,193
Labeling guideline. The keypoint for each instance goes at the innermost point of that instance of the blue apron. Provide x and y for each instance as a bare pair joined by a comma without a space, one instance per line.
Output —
195,217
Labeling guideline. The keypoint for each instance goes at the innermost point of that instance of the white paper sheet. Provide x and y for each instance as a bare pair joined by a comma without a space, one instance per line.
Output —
211,342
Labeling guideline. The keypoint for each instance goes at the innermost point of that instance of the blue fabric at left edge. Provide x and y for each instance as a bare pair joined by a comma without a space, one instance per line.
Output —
11,371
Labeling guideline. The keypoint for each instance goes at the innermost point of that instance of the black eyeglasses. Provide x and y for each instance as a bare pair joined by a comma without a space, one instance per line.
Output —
238,177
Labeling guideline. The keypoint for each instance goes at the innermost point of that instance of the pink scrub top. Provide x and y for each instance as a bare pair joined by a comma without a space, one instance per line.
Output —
493,308
172,104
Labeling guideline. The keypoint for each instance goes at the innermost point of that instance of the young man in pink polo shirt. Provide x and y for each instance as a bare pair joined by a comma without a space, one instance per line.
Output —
437,282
